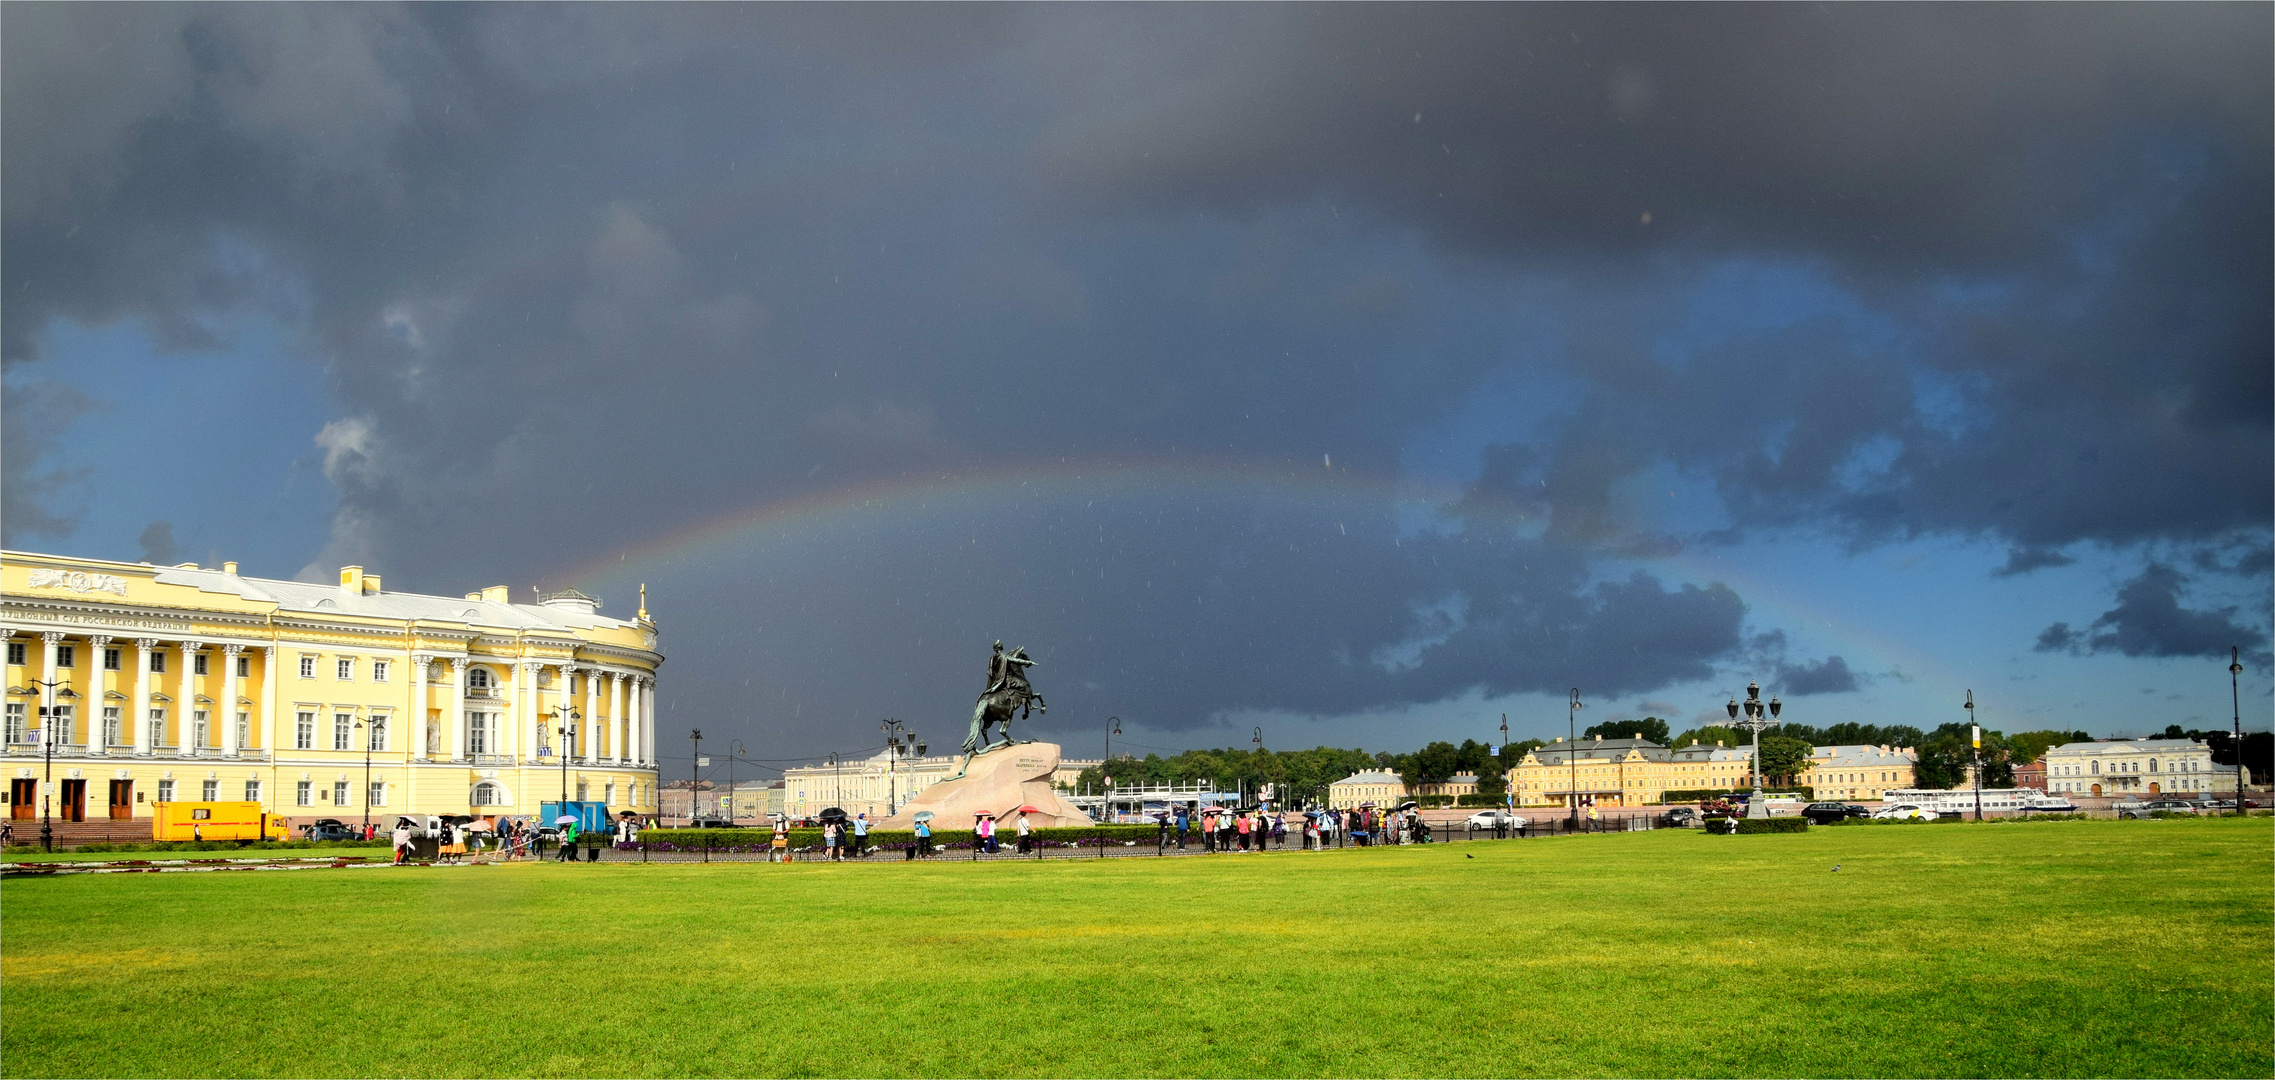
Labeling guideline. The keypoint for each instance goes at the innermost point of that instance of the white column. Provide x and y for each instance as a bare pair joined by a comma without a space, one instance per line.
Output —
455,748
593,747
185,702
268,711
143,647
50,641
418,710
616,715
526,704
229,745
648,715
635,747
96,742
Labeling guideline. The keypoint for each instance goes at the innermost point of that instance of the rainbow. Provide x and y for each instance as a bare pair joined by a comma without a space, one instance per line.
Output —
898,502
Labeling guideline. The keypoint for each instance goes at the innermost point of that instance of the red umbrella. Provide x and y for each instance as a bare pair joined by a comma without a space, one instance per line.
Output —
1030,809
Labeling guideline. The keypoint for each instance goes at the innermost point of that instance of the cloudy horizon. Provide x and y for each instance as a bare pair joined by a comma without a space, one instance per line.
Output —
1355,373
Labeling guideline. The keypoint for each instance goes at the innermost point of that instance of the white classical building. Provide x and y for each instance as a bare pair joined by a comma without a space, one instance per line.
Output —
2180,767
149,684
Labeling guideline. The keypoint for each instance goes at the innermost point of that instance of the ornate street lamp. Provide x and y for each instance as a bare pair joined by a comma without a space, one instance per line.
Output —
2235,696
694,772
48,713
1758,715
735,749
1572,758
899,740
567,730
368,737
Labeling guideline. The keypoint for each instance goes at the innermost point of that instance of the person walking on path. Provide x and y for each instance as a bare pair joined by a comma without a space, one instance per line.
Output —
1161,834
1244,828
568,840
1183,822
1026,834
402,840
923,839
861,836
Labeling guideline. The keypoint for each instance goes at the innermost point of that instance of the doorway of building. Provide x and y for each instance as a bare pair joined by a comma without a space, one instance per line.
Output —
122,800
74,801
2153,789
23,799
2097,789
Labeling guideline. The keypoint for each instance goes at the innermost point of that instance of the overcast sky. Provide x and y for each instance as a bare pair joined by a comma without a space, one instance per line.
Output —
1356,373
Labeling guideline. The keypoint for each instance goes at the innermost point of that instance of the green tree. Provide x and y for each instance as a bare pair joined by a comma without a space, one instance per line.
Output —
2029,746
1650,727
1783,758
1708,735
1942,762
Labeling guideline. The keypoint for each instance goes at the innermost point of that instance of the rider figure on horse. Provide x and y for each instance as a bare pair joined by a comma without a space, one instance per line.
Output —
1008,691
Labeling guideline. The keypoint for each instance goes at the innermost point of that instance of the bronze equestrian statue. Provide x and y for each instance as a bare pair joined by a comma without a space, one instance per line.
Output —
1008,692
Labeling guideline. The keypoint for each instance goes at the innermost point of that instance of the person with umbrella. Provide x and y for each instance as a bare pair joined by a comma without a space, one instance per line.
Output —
923,833
568,829
1026,831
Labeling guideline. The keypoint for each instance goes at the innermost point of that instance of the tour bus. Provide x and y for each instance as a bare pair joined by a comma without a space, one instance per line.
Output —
1995,800
216,821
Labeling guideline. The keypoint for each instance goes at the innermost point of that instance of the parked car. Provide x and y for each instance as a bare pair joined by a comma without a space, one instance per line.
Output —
1904,812
1682,817
331,830
1825,813
2170,806
1495,819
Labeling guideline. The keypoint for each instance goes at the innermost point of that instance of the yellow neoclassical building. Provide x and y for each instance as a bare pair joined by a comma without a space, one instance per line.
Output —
185,683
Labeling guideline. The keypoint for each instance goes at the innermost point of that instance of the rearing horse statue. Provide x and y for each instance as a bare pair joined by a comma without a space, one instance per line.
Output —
1008,692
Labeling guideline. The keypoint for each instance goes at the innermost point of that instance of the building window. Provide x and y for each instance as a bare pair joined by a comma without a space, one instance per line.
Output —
377,796
304,731
244,667
378,739
157,727
165,791
305,795
211,791
307,667
477,733
197,729
111,659
16,653
339,793
478,678
197,664
2152,764
608,792
111,725
343,728
66,656
16,731
488,794
580,791
157,663
245,730
379,671
252,791
345,667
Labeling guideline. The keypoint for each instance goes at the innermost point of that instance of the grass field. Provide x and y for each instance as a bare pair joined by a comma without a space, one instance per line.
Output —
2044,949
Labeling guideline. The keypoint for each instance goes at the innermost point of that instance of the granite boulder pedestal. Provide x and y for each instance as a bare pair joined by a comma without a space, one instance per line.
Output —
998,781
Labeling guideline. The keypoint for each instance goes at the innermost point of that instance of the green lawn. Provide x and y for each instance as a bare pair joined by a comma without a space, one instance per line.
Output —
2041,949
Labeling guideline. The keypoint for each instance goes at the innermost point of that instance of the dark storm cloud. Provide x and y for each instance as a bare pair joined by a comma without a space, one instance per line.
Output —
632,267
1828,676
2150,621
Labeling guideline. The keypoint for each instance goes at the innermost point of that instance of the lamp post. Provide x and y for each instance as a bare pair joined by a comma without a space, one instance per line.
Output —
563,716
1975,751
1572,758
898,740
736,748
1758,715
836,783
694,772
2235,696
47,715
368,736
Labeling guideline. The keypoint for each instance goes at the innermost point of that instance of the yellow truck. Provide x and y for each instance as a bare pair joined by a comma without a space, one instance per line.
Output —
216,821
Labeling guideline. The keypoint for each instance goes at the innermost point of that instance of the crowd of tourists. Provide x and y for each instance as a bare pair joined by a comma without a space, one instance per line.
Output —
1230,829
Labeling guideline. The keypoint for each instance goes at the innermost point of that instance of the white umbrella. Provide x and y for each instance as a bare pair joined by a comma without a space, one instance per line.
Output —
565,819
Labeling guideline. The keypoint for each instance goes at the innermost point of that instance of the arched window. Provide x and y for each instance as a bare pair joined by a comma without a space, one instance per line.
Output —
2152,764
478,678
488,794
2097,768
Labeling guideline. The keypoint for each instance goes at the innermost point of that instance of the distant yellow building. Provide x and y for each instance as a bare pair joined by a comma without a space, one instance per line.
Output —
1372,786
1637,772
183,683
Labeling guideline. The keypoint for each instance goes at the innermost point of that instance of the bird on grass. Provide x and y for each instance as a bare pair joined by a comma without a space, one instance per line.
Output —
1467,855
1836,868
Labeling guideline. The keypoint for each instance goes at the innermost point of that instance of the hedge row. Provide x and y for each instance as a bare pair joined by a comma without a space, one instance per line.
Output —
1685,795
717,839
228,845
1748,826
